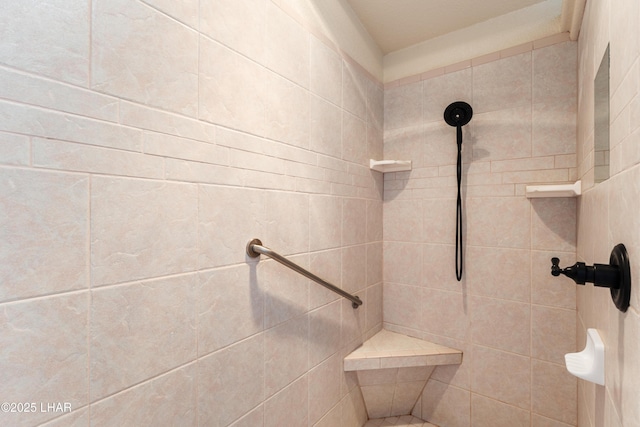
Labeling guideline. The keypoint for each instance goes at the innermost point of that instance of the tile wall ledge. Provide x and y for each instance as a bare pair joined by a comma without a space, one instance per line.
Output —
388,349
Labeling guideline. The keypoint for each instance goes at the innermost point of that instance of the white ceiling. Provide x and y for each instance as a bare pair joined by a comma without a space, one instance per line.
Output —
398,24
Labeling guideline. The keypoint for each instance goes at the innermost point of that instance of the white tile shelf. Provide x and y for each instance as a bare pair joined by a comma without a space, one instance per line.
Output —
553,190
390,165
388,349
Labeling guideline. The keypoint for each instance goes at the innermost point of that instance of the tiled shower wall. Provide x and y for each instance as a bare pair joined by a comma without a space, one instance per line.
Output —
512,319
608,211
142,145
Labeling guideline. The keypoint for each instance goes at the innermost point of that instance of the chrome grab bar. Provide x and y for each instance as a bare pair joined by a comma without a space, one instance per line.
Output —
255,248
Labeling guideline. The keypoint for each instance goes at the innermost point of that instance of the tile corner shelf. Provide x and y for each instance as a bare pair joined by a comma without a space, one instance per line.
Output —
390,165
392,364
388,349
553,190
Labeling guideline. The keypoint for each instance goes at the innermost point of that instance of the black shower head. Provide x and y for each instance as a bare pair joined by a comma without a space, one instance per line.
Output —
458,113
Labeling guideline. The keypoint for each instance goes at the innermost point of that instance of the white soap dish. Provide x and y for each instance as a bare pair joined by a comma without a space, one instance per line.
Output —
553,190
390,165
589,363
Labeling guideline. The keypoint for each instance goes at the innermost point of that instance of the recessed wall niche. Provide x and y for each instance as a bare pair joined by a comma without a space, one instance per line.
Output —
601,120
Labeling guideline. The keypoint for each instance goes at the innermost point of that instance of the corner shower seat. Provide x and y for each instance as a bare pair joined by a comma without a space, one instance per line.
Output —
393,369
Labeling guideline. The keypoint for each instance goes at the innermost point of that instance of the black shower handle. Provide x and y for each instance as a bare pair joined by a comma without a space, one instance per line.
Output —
603,275
616,275
555,268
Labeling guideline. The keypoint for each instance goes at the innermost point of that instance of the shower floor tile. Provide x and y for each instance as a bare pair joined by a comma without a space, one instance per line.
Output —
402,421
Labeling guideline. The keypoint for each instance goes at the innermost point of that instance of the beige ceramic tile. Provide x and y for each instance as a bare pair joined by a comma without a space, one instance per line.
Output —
52,154
240,25
231,89
287,114
141,330
487,231
403,106
548,290
184,11
223,236
230,307
554,76
184,148
553,333
52,124
287,46
353,324
378,399
46,93
441,91
14,149
354,139
325,228
324,332
354,224
443,404
183,170
286,229
501,324
44,232
79,418
325,133
553,391
403,220
405,396
554,128
495,138
403,263
286,292
553,224
354,90
45,355
254,418
354,413
502,84
451,318
278,409
130,61
373,307
487,412
491,367
354,265
328,266
141,117
285,353
403,304
324,387
331,418
514,266
49,38
231,382
131,236
170,398
375,105
325,73
405,144
374,263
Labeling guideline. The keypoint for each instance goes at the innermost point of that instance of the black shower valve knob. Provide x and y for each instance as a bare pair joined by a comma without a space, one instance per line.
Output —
616,275
603,275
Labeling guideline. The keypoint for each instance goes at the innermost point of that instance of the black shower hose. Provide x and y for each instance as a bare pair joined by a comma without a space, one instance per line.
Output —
459,209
